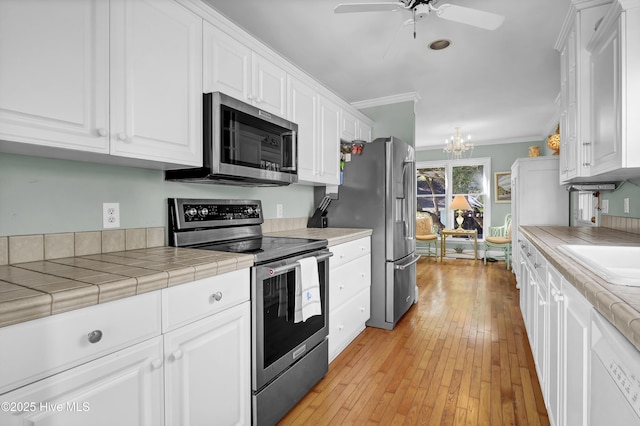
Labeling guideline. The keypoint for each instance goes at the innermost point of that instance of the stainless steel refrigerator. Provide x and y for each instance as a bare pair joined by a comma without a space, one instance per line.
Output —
379,192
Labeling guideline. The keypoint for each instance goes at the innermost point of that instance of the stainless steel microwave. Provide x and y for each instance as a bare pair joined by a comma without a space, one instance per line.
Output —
243,145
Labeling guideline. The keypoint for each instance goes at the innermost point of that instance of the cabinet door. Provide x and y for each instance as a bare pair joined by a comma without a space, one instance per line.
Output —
227,64
303,110
542,337
605,101
329,142
576,356
349,126
269,86
54,84
554,396
207,370
124,388
364,131
156,81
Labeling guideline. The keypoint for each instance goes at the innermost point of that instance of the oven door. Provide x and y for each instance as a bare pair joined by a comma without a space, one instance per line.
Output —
277,340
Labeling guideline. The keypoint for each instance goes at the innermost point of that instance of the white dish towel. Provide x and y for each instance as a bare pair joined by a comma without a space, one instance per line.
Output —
307,296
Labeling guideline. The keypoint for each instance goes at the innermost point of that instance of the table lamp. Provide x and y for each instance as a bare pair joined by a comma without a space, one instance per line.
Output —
459,203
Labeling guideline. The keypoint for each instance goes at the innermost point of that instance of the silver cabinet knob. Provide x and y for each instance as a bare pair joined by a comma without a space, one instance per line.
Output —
177,354
102,132
217,296
95,336
156,363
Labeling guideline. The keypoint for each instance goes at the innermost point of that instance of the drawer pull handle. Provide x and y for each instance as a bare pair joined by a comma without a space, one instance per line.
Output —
102,132
536,265
156,363
217,296
177,355
341,287
95,336
362,308
362,274
340,327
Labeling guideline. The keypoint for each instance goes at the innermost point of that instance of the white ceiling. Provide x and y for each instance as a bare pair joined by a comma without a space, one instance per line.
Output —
500,86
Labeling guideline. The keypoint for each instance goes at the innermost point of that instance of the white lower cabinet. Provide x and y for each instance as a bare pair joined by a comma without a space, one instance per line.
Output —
180,355
124,388
207,370
556,317
349,293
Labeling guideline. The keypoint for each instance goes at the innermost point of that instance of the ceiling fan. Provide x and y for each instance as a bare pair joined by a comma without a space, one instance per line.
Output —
423,8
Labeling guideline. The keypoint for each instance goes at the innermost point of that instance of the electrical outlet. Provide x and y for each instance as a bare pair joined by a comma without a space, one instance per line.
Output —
626,205
278,211
110,215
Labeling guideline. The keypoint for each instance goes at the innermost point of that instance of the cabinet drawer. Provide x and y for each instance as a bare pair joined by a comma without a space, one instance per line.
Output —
346,322
49,345
343,253
348,280
189,302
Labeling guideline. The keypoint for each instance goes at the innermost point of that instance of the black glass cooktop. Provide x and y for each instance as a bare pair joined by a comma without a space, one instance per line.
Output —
266,248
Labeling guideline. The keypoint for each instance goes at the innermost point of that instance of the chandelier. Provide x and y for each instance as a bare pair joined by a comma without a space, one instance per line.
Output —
456,145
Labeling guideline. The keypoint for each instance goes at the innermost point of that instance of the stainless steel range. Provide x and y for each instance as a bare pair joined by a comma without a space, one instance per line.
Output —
289,353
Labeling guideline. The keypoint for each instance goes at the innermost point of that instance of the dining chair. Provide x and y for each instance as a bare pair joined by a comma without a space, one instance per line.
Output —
426,234
500,238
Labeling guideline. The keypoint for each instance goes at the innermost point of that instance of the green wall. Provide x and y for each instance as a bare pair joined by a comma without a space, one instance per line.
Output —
628,189
42,195
396,119
502,157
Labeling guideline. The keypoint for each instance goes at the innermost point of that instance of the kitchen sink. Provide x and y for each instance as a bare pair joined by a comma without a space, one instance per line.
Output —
615,264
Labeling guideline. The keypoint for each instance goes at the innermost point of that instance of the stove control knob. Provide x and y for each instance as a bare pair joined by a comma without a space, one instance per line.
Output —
204,212
249,210
191,212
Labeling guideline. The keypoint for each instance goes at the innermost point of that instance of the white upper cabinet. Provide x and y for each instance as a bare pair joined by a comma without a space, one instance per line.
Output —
352,128
348,126
599,47
303,110
615,81
54,77
328,146
119,77
236,70
156,81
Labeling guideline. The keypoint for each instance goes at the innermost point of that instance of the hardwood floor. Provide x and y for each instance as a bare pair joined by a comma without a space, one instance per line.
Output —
460,356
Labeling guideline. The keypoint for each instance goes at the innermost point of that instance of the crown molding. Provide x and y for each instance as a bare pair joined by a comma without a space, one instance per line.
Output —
387,100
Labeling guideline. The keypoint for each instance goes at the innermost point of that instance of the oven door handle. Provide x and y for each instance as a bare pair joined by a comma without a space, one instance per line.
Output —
286,268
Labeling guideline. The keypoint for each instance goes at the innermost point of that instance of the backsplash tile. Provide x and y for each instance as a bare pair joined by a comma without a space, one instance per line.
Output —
621,223
88,243
26,248
59,245
4,250
155,237
135,238
113,240
38,247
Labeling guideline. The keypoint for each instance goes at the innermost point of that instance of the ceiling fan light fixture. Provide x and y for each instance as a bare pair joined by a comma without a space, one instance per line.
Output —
439,44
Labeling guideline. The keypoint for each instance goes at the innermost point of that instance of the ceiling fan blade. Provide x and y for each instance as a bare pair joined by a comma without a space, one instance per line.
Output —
391,6
469,16
404,24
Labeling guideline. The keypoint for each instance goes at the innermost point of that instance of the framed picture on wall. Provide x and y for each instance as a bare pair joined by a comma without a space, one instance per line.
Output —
502,185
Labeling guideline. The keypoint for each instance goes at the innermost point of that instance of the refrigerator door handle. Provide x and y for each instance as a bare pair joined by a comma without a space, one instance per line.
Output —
406,205
416,257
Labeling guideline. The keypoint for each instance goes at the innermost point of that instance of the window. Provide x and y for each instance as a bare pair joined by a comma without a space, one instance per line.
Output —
440,181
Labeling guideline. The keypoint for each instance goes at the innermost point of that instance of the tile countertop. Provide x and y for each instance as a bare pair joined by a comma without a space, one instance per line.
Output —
42,288
619,304
38,289
333,236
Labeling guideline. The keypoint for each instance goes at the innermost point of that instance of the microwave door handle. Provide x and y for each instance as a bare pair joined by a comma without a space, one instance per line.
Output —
294,151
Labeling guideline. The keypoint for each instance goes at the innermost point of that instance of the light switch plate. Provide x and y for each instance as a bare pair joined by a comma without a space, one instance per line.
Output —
626,205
